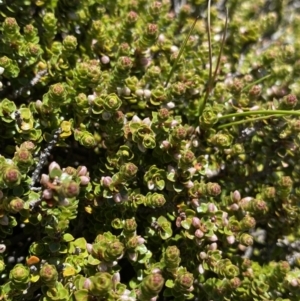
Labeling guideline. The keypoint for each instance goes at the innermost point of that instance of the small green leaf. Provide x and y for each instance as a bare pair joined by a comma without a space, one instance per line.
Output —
55,172
186,224
67,237
170,284
81,243
81,295
166,234
93,261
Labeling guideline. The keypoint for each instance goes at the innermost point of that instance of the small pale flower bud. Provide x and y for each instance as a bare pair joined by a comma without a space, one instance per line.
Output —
87,283
174,49
165,144
213,246
147,93
47,194
196,222
214,237
106,181
189,184
84,180
199,233
89,248
201,269
82,171
105,59
230,239
135,118
212,208
234,207
203,255
139,93
117,198
44,179
236,196
2,248
53,165
132,256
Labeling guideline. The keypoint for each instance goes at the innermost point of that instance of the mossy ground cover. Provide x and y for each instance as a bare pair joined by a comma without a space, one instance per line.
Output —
149,150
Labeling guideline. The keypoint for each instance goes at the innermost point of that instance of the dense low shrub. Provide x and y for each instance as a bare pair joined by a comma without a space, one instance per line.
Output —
143,160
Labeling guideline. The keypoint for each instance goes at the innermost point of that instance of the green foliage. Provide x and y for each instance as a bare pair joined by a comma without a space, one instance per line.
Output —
142,159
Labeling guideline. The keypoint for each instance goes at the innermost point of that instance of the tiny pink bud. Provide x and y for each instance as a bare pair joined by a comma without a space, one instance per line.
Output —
174,123
234,207
89,248
171,169
165,144
53,165
192,171
116,278
174,49
105,59
213,246
141,240
195,203
139,93
236,196
117,198
47,194
2,248
133,256
230,239
82,171
199,233
195,143
38,104
201,269
214,237
87,284
196,222
147,121
254,108
203,255
64,202
161,38
177,156
135,118
294,282
126,91
147,93
212,207
225,222
244,201
84,180
156,270
106,181
189,184
103,267
224,215
44,179
242,247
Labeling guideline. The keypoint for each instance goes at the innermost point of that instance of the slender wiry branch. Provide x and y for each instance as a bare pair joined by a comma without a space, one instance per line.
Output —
212,78
209,53
181,51
222,46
